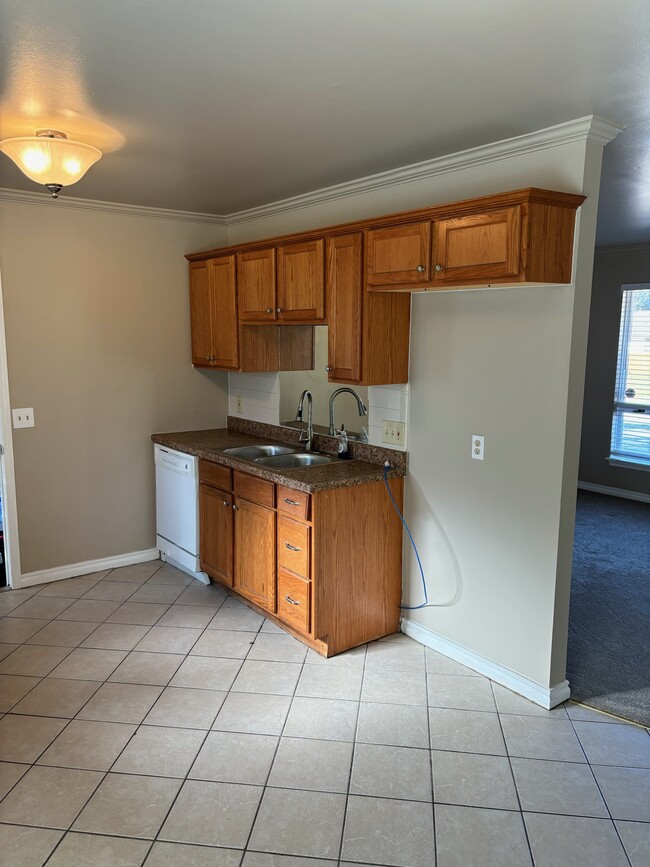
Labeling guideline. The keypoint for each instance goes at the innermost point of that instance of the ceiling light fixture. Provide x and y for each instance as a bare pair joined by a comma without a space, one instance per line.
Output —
50,158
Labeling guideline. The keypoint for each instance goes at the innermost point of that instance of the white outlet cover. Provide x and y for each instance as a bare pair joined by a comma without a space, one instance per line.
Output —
23,417
478,447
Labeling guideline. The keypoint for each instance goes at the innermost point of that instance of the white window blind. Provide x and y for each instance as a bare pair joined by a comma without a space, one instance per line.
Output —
631,422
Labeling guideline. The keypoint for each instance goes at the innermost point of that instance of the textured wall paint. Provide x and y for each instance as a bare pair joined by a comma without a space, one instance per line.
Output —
98,341
612,268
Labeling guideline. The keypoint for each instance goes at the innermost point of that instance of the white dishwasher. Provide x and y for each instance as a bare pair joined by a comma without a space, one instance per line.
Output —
177,510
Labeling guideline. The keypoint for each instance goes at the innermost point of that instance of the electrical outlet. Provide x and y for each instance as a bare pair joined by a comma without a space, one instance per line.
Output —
393,432
238,403
23,417
478,447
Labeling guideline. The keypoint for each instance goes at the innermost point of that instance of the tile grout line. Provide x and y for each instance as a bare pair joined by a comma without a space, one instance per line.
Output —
512,777
609,812
352,757
433,790
275,753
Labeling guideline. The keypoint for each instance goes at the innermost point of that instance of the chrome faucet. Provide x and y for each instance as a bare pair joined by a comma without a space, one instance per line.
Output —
306,436
360,404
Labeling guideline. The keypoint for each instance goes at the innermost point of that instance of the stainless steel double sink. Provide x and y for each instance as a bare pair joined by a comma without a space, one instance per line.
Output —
280,457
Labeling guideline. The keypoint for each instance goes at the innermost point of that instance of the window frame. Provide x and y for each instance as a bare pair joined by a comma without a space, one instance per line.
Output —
623,405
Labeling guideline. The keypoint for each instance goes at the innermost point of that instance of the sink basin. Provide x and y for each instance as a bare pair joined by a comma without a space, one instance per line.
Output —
252,453
295,461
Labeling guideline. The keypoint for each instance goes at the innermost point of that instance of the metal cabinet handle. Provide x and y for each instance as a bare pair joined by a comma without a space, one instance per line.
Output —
291,601
279,309
234,507
439,268
269,310
226,503
328,368
291,547
420,268
291,502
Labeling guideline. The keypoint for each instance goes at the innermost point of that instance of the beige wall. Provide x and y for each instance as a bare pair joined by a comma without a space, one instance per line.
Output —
98,341
504,363
612,268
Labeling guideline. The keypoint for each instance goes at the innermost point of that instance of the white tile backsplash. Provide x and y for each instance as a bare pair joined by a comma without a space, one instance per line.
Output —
260,400
390,403
259,393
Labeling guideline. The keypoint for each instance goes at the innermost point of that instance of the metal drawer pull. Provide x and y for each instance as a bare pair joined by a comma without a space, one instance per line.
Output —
439,268
269,310
291,502
420,268
291,547
291,601
234,507
226,503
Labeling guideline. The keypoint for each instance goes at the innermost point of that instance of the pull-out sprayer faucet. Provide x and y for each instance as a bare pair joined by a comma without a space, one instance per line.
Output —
306,436
360,404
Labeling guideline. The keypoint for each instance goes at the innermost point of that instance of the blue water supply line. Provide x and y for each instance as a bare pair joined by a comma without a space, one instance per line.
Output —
406,527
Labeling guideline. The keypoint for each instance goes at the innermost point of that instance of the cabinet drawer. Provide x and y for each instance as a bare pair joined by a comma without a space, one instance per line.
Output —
293,546
254,489
294,502
294,601
214,474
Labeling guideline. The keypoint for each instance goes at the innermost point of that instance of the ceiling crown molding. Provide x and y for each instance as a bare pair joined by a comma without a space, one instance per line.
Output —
585,128
28,198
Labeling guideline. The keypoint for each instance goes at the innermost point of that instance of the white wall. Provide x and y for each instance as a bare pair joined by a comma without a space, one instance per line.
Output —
505,363
98,338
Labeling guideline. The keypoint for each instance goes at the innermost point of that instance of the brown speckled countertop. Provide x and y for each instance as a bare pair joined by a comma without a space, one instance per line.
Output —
209,444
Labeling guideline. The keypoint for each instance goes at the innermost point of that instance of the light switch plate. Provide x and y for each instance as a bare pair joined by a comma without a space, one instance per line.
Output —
393,432
23,417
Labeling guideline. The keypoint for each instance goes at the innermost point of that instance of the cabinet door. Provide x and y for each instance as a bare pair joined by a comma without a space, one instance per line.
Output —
301,282
398,254
225,340
201,314
478,247
344,300
255,553
256,285
215,509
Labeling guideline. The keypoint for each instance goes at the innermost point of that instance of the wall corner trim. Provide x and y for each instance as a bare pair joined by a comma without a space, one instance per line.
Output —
23,197
585,128
544,696
60,573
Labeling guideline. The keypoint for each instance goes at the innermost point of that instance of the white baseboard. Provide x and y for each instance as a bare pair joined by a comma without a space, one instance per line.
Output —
544,696
615,492
59,573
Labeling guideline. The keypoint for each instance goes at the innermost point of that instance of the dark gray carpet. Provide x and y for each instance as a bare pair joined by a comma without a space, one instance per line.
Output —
608,664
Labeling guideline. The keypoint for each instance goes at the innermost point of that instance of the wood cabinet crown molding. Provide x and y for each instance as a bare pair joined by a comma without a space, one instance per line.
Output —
528,195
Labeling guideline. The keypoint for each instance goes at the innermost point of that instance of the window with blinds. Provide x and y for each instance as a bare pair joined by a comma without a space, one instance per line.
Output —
631,423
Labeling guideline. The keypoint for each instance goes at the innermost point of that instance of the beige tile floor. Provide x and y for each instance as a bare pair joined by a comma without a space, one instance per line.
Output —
146,719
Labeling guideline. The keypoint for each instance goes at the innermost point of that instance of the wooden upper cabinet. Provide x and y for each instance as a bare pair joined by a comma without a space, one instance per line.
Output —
301,282
225,330
398,254
255,553
256,285
201,313
344,307
213,313
483,246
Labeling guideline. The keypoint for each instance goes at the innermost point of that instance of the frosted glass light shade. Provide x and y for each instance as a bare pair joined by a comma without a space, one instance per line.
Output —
47,160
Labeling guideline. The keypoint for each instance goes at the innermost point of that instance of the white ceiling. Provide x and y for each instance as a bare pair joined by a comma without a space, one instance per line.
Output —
227,104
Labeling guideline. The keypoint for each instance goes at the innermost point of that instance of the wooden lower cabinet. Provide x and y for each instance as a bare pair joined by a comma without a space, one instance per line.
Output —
327,566
255,553
216,528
